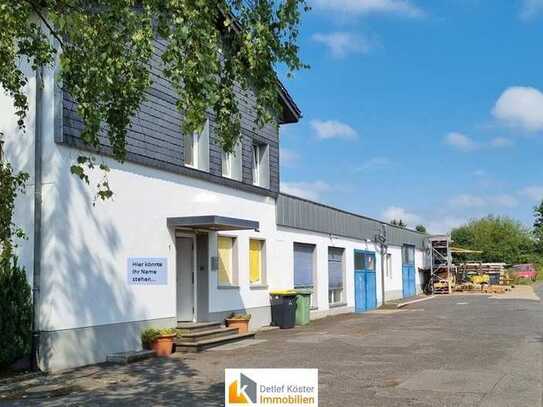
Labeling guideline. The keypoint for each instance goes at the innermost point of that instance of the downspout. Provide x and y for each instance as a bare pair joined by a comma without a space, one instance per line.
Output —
36,273
382,238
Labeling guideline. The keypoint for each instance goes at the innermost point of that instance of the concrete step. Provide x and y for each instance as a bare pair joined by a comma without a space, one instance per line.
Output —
193,327
183,346
207,334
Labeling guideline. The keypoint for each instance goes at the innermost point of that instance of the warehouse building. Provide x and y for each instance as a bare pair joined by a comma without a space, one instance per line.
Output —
192,234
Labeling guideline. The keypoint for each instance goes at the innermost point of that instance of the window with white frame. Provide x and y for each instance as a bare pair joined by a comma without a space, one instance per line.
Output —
336,272
304,269
231,163
197,149
261,165
227,253
388,265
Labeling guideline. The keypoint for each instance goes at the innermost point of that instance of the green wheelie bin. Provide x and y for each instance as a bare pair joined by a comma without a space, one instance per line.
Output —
303,305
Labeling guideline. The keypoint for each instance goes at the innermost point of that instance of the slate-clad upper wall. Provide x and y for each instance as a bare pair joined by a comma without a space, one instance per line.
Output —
155,138
300,213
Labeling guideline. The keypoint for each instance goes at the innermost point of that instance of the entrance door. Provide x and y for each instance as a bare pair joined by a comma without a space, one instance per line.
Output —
408,271
365,292
185,278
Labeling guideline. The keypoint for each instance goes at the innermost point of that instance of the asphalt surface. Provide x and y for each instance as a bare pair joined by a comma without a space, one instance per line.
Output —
461,350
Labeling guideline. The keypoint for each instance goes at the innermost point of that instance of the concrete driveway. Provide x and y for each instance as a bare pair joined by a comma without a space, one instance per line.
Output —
460,350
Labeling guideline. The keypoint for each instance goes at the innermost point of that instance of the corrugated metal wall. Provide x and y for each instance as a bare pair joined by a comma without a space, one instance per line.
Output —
299,213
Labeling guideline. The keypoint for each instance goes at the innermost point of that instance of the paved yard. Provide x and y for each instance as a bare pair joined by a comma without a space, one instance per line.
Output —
461,350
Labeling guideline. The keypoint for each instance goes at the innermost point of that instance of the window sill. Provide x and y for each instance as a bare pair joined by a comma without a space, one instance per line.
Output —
228,287
258,286
232,178
337,305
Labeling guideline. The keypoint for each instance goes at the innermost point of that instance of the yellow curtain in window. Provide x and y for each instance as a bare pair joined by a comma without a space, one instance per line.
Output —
225,260
255,261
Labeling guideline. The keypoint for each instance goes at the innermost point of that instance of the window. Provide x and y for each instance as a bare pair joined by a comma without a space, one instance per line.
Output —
256,262
335,275
231,163
304,266
388,265
227,261
260,165
197,149
408,254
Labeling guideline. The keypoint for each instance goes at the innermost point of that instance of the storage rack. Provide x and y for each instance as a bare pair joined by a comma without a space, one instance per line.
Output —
440,264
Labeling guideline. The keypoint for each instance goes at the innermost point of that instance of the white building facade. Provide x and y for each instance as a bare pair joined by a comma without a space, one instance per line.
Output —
212,230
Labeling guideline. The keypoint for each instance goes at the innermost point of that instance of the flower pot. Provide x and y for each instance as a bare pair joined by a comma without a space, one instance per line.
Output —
163,345
241,324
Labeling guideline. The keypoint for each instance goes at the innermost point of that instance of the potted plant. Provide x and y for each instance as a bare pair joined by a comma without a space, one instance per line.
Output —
240,321
159,340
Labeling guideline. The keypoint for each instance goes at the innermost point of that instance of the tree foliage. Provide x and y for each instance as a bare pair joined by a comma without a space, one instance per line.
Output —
10,185
16,315
538,227
104,48
420,228
212,46
501,239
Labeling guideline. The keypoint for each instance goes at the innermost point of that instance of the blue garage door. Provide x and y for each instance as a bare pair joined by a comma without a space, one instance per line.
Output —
365,292
408,271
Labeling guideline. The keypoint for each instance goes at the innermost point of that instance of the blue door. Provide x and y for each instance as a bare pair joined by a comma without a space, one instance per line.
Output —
365,293
408,271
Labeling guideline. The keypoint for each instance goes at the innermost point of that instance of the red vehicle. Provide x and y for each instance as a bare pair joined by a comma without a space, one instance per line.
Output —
525,271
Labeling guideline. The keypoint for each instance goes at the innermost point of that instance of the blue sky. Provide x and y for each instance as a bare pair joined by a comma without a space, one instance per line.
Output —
431,111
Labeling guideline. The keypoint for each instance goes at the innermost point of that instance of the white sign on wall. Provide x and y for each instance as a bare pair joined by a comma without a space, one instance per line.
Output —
147,270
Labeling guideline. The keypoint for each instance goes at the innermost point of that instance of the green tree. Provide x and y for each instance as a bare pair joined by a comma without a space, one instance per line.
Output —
420,228
105,47
16,315
538,227
501,239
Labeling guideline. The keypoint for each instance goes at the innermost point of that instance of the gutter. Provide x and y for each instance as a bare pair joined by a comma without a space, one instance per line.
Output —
36,272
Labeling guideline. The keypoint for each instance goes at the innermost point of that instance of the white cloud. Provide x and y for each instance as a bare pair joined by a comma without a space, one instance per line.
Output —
533,192
309,190
521,107
397,213
531,9
468,201
444,224
466,144
375,164
364,7
461,142
340,44
288,157
480,173
474,201
504,200
331,129
501,142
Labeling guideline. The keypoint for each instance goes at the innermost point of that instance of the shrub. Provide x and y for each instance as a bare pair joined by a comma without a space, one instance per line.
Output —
149,335
245,317
15,312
